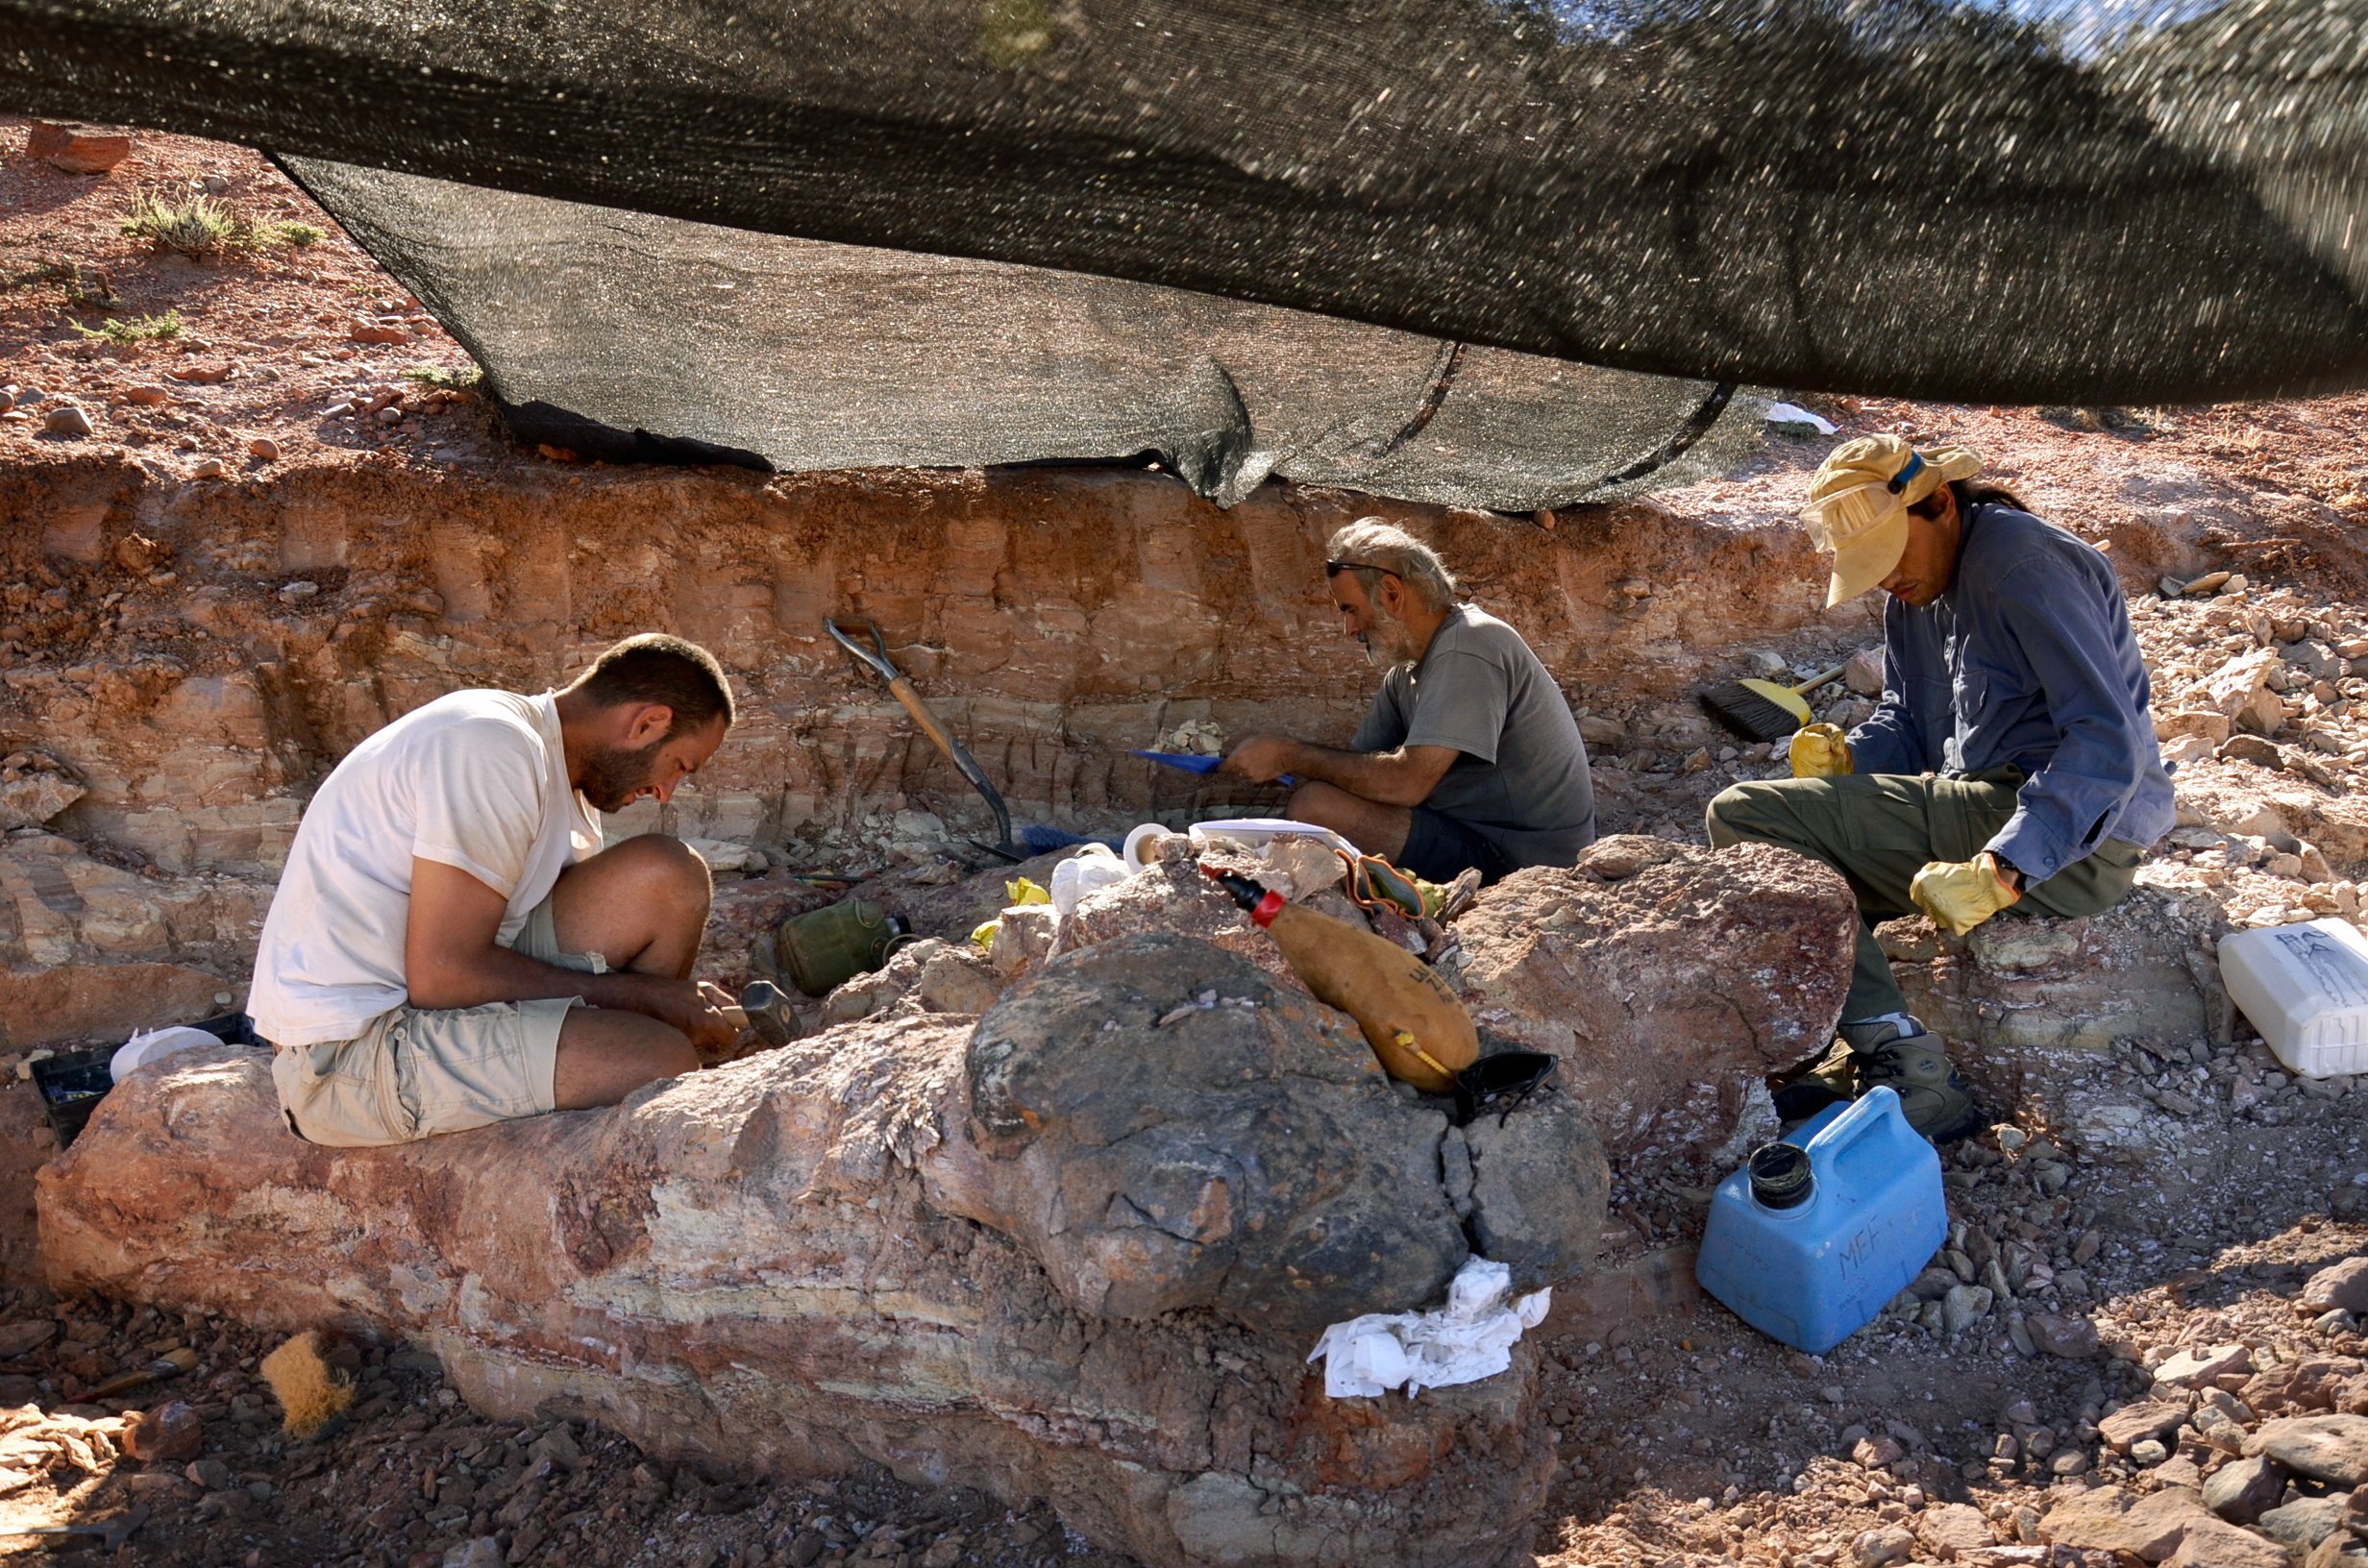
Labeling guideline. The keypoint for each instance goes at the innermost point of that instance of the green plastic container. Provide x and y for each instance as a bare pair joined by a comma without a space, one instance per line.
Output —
824,948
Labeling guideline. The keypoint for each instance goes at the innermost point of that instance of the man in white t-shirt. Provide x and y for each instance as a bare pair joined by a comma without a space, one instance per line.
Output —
451,946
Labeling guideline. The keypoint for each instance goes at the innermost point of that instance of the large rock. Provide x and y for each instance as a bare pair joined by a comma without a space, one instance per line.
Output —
2207,1543
2109,1519
2343,1284
2329,1448
1167,1129
2242,1490
2147,968
1669,980
30,799
73,148
774,1264
1173,896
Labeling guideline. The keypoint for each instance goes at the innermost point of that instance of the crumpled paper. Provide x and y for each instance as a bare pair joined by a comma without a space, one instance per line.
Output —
1470,1338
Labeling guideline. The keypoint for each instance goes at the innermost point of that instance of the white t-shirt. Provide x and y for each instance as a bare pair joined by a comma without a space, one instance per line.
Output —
477,779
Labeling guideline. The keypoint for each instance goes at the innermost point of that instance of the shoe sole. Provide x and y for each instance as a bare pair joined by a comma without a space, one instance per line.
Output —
1964,1126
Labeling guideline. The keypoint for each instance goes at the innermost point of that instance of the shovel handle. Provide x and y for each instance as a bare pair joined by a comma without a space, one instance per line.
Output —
943,739
902,689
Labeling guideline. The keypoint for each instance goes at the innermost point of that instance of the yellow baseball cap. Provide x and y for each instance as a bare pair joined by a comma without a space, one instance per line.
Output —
1859,501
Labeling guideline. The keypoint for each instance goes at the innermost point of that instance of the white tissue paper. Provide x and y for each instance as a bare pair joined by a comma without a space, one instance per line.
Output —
1095,869
1470,1338
1792,413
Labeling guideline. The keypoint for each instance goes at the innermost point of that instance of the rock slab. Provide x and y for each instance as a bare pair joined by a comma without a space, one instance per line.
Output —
72,148
2146,968
2109,1519
2209,1543
2343,1285
1669,980
775,1263
2329,1448
1167,1129
2243,1490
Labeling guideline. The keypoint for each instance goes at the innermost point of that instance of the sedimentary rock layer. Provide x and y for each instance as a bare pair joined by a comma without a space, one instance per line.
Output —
194,658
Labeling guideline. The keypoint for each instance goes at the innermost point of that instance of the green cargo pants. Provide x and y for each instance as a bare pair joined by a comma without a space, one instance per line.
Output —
1880,829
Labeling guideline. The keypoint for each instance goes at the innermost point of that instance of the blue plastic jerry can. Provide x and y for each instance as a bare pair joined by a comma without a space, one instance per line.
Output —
1813,1237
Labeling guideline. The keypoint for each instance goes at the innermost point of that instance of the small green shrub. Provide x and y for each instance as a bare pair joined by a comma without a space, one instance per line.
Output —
199,226
294,237
133,328
452,380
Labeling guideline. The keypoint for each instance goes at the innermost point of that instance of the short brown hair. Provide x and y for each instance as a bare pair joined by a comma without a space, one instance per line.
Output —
654,667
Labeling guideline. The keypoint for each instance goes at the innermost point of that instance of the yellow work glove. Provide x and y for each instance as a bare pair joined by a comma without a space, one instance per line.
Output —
1959,894
1819,752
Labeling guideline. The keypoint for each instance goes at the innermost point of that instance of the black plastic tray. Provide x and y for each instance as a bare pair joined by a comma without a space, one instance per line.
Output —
72,1083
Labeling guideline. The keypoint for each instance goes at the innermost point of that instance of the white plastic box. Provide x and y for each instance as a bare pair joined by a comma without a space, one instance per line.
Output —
2306,988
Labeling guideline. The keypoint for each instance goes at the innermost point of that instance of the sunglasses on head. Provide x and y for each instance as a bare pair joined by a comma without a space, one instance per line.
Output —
1508,1077
1333,569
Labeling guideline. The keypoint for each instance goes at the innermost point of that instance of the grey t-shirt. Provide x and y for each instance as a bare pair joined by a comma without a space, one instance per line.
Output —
1522,782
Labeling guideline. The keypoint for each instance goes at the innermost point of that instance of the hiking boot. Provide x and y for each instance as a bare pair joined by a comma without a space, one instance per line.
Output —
1899,1054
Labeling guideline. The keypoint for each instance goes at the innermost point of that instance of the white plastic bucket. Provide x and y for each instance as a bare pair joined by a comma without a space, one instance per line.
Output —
155,1046
2306,988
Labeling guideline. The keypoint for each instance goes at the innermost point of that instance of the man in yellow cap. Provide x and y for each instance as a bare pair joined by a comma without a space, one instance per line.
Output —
2012,759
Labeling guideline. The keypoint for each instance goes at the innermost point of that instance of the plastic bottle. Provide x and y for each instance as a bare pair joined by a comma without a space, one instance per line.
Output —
1813,1237
1417,1025
2306,987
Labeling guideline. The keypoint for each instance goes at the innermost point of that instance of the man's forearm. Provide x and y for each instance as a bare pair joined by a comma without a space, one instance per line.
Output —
1387,776
500,974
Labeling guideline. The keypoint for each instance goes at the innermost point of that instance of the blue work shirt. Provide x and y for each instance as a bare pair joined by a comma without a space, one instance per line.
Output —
2027,661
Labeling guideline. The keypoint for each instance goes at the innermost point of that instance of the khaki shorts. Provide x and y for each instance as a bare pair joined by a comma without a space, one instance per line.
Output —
415,1073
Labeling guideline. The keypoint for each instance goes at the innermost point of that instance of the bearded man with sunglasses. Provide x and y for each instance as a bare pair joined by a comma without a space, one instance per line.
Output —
2012,760
1469,760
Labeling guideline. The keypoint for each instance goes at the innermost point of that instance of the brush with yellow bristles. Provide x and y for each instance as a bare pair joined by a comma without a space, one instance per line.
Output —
312,1393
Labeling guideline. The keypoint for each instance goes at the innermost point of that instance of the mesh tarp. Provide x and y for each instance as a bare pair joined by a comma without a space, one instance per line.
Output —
2042,203
624,335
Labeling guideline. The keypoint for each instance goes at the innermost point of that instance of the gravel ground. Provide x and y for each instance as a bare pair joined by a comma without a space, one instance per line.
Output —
410,1477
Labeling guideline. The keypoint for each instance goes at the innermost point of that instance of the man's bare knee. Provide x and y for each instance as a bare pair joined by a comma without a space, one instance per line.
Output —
666,878
661,866
1308,802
